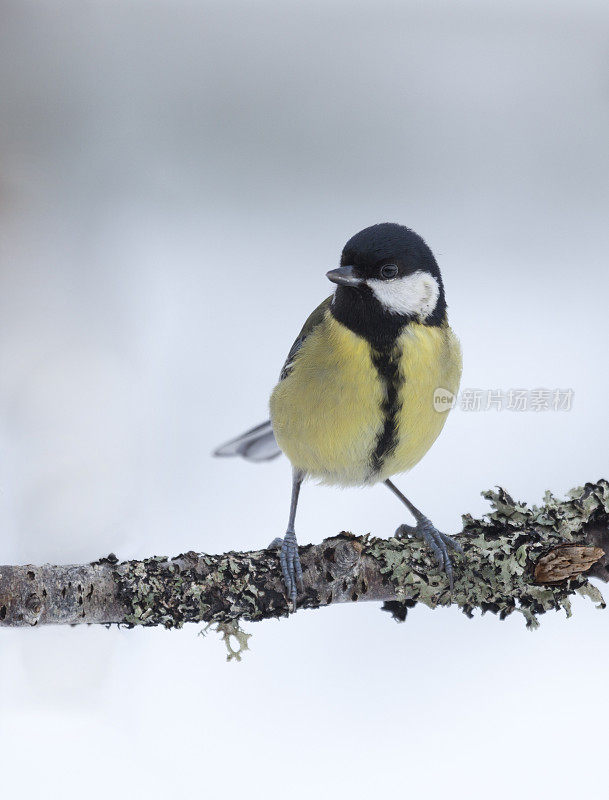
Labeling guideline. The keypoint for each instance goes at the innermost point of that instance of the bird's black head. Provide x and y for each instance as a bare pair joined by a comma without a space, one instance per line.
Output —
388,277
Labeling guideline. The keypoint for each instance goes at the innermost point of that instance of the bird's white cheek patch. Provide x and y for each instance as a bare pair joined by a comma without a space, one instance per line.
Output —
415,295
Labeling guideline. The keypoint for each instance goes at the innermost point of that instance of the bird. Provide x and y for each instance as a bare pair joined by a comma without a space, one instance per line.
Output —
362,395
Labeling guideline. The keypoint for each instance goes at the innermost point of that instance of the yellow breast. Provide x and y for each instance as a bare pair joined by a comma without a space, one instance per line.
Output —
430,360
327,414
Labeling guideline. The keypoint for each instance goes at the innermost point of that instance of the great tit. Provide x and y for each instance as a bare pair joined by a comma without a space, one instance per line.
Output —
357,398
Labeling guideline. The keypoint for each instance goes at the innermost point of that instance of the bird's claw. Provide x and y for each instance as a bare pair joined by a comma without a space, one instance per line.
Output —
439,543
291,568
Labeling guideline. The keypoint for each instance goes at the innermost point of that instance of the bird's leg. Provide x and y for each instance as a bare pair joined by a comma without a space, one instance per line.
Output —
439,543
288,546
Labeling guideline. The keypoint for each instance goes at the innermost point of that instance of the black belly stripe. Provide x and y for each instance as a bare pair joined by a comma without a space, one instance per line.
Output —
387,364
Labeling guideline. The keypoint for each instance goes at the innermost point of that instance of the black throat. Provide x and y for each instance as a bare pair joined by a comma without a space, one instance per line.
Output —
360,311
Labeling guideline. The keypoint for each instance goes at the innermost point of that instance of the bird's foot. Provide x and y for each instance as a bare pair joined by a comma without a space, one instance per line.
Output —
290,564
439,543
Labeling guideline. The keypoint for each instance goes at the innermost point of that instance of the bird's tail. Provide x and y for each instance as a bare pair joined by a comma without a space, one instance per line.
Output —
258,444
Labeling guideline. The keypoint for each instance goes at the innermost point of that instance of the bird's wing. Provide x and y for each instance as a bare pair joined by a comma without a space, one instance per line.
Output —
259,443
315,319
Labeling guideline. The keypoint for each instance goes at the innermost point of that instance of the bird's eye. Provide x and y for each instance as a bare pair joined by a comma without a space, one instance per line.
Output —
389,271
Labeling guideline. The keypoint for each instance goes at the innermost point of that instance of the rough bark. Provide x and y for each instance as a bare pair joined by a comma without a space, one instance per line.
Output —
517,558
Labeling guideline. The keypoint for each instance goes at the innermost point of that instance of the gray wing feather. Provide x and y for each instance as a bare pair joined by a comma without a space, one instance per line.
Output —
257,444
312,322
289,362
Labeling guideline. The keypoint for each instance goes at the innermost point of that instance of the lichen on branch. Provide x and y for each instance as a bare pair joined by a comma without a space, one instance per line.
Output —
503,548
529,559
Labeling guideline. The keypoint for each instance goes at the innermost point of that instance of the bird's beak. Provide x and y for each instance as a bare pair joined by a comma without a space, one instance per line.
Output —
344,276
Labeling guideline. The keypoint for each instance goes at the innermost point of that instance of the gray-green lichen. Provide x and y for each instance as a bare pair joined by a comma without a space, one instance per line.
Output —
496,572
200,588
230,631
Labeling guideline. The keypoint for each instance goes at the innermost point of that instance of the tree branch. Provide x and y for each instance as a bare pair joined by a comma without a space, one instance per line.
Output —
517,558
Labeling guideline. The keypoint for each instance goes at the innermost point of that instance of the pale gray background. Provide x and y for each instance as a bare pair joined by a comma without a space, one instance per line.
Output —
176,178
